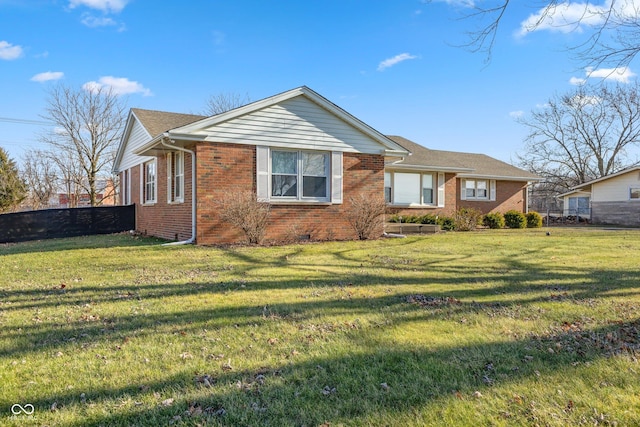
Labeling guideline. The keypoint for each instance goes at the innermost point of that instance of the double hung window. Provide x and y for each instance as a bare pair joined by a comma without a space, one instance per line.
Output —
150,175
175,177
299,175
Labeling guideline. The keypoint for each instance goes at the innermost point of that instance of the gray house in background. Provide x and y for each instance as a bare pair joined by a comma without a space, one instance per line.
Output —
613,199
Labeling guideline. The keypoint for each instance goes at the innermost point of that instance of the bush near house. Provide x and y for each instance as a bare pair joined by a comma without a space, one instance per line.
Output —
243,210
515,219
467,219
494,220
366,216
534,220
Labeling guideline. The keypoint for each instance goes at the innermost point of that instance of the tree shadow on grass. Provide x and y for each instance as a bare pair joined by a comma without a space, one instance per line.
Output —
374,384
75,243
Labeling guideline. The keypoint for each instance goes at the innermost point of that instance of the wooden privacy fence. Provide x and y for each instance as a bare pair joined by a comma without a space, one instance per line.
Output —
57,223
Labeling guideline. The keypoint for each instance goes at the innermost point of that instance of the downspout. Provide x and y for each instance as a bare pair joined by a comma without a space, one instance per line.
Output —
163,141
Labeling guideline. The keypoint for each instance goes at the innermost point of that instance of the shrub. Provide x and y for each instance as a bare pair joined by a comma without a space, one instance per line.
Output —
446,223
428,219
534,220
394,218
365,214
467,219
493,220
244,211
515,219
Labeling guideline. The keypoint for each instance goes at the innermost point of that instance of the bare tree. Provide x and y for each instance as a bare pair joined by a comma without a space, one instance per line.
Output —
583,135
88,127
223,102
613,35
40,175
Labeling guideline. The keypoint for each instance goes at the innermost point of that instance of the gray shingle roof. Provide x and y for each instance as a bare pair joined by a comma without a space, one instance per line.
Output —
480,164
157,122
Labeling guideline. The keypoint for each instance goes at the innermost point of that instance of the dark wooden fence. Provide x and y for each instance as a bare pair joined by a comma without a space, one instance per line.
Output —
57,223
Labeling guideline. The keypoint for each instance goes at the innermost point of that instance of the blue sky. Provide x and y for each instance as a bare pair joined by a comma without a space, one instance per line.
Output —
392,63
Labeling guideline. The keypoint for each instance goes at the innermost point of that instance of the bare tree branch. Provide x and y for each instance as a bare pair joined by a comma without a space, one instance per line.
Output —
223,102
88,128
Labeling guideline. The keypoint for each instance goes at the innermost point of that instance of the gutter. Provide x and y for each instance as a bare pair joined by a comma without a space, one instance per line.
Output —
163,142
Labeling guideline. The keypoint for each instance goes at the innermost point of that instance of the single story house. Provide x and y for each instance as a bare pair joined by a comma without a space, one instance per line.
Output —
304,155
613,199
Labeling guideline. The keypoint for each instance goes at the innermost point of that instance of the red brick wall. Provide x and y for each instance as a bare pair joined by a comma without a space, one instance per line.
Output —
509,195
170,221
225,168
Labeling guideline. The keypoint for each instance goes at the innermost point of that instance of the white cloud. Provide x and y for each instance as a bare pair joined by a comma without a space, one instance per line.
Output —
463,3
577,81
47,76
9,52
390,62
620,75
107,6
570,16
516,114
563,18
118,85
94,22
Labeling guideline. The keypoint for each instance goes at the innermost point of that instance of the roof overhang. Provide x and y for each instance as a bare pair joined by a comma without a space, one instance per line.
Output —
500,177
425,168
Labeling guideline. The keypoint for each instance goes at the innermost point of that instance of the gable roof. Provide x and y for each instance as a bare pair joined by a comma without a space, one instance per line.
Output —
157,122
604,178
468,165
197,130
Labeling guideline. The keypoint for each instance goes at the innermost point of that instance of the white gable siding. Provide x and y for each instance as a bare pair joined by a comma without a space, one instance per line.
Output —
295,123
137,138
615,189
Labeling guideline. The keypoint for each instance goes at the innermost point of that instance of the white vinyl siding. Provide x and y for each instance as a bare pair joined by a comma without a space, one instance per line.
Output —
137,138
616,189
297,123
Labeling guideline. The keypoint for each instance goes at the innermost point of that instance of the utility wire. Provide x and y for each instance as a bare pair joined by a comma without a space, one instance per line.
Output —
25,121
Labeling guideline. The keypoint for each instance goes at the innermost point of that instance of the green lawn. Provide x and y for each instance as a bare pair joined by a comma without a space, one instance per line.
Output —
508,328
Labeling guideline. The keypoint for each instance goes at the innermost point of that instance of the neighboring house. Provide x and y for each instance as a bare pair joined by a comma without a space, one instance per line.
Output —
305,156
613,199
441,182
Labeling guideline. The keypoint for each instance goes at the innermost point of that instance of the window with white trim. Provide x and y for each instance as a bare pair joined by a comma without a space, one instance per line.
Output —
175,177
125,187
299,175
413,188
149,184
478,189
634,193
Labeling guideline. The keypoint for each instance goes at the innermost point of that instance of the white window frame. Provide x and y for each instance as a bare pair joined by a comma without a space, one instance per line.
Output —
632,191
125,185
469,189
437,189
299,175
175,177
150,182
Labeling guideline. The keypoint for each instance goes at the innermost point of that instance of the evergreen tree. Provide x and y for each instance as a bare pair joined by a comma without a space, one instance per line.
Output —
12,188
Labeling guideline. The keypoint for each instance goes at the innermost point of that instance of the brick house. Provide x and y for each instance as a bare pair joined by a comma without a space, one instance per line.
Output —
441,182
301,153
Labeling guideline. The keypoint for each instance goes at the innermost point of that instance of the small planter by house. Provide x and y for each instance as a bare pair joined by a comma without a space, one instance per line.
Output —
408,228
